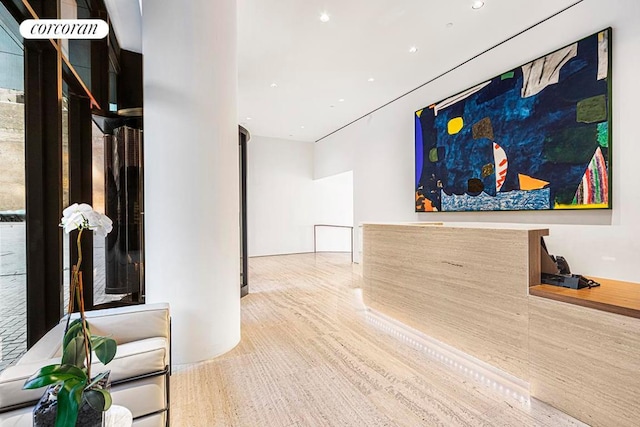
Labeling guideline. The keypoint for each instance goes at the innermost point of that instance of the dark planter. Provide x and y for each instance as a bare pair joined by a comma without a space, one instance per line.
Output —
44,413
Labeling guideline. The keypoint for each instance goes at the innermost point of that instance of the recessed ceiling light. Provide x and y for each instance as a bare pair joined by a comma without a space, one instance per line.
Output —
248,118
341,100
370,79
331,106
274,85
477,4
301,127
324,17
449,24
413,49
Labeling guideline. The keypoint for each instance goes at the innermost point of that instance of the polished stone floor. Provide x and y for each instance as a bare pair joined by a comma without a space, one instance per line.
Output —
311,356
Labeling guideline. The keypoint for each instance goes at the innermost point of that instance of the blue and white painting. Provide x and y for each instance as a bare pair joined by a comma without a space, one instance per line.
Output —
533,138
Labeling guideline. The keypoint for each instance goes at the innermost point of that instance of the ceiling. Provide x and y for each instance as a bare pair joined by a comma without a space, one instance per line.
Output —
321,70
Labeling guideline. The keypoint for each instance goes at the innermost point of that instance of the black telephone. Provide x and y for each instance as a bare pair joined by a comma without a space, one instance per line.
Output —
556,271
573,281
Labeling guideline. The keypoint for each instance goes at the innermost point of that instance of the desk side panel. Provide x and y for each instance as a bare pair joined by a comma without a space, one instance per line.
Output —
585,362
465,287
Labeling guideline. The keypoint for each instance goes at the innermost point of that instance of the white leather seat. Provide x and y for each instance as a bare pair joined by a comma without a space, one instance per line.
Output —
139,372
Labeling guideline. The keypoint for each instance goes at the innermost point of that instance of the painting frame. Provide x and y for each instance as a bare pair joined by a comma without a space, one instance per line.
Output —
561,129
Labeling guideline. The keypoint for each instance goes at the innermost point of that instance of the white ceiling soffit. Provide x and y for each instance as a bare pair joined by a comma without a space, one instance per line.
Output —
126,18
321,70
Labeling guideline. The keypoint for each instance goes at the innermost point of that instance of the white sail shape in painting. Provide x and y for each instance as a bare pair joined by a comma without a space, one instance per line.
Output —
603,54
502,165
545,71
459,97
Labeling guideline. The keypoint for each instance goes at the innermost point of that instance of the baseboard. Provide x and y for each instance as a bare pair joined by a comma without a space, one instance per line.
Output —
280,254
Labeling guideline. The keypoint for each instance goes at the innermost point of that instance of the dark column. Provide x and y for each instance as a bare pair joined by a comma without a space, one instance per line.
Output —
100,64
130,80
80,185
43,146
243,138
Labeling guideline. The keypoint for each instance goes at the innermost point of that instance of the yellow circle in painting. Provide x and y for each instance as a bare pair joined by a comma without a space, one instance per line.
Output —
455,125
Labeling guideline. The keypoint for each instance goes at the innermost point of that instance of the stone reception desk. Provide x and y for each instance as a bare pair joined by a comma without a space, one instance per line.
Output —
468,287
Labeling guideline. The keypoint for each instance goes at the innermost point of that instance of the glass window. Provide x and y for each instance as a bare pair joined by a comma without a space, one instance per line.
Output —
77,51
13,278
99,255
113,89
66,274
124,205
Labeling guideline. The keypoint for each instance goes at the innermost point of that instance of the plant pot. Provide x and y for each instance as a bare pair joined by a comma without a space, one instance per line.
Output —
45,411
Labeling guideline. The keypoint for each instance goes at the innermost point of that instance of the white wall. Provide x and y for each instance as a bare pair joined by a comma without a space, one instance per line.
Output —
337,154
333,205
379,148
284,201
280,211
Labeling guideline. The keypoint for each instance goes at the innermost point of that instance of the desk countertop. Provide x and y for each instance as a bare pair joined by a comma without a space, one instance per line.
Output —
613,296
465,225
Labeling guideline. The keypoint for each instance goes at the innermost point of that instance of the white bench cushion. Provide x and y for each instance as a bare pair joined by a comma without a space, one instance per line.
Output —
132,359
136,358
13,378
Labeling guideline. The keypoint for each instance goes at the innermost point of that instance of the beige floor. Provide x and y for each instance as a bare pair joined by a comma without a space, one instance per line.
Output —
308,357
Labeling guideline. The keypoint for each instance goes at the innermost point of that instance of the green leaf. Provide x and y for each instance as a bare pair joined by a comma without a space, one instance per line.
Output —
105,348
69,398
53,374
75,389
98,399
74,330
74,352
97,378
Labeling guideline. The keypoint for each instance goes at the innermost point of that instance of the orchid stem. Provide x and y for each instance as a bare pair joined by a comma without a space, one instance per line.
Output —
79,291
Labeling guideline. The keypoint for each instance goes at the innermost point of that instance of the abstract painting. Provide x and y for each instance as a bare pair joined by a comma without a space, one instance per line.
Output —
533,138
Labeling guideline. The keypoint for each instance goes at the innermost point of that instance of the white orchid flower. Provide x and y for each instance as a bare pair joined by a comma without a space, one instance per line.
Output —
82,216
100,224
74,217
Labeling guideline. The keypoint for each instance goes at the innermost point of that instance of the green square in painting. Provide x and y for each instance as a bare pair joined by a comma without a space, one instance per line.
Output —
592,110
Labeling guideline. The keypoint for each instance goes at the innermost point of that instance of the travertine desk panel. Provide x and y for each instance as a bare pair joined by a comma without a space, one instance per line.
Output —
585,362
467,287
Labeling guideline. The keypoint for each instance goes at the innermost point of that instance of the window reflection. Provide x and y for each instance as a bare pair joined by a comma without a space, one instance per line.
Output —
77,51
66,272
13,278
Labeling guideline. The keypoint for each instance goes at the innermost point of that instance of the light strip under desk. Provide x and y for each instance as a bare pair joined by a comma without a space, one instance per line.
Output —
481,372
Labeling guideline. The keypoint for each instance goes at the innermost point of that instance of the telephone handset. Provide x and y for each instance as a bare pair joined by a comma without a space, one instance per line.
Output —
584,282
563,265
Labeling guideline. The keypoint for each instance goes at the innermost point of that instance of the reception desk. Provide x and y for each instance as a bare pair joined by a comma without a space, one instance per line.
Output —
468,287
